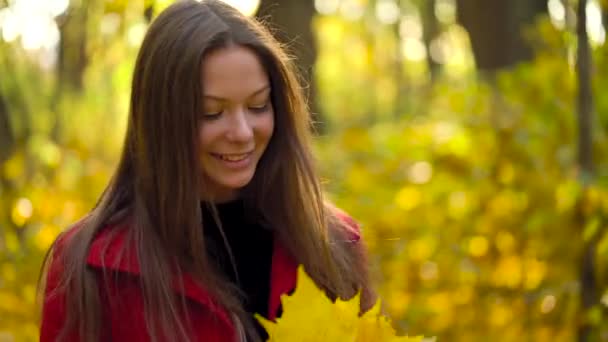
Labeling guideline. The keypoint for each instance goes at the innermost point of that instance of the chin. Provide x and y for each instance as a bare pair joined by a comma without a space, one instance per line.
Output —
237,184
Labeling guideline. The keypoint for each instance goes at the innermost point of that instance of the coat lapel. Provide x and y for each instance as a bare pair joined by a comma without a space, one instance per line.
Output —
283,277
110,250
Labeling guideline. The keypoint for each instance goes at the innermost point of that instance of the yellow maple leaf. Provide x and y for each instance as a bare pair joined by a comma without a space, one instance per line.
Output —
309,316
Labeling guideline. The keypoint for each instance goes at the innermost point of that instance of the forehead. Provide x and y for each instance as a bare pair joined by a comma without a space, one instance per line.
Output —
233,72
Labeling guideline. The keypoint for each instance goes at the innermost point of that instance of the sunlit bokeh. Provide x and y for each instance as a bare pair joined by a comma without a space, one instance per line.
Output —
410,26
387,11
33,22
445,11
595,27
420,173
327,6
352,9
247,7
557,13
548,304
413,49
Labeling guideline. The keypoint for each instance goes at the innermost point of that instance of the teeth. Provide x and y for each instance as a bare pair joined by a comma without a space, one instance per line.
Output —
233,158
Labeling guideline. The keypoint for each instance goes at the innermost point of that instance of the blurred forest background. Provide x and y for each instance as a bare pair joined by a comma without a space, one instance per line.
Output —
469,137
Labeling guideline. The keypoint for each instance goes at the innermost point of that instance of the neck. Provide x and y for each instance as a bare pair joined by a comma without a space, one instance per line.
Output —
219,197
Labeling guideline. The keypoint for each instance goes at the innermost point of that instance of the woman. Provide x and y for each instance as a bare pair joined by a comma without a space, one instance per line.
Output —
215,201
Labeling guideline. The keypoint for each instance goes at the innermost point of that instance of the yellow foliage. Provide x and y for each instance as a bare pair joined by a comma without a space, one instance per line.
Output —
505,242
500,315
535,273
45,236
508,272
458,204
408,198
478,246
308,315
22,211
422,248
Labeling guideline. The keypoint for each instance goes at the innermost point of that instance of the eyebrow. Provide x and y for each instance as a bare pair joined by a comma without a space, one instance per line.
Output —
257,92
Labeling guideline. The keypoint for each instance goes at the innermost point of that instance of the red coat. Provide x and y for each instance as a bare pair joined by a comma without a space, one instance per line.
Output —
123,299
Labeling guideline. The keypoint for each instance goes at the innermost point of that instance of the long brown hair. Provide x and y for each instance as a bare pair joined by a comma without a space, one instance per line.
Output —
159,167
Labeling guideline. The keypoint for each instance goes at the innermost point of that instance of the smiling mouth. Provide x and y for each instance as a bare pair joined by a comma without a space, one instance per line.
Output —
232,157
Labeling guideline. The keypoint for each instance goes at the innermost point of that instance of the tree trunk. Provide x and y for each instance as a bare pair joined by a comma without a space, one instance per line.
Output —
72,58
585,96
588,289
495,30
292,22
430,31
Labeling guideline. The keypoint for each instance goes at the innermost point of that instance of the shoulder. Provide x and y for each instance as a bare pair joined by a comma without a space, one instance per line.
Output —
53,283
61,246
55,265
68,239
95,247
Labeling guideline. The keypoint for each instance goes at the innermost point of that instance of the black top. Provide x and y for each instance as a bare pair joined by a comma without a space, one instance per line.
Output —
251,245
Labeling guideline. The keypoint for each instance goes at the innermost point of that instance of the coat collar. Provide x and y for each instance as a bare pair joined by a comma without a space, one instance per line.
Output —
110,250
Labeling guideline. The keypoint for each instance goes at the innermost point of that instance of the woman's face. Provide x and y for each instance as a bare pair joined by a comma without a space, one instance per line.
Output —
236,123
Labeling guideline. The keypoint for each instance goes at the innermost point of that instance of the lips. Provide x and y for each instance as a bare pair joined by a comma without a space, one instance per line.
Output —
232,157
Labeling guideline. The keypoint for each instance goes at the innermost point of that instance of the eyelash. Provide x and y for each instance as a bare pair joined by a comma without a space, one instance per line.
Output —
211,117
256,110
261,109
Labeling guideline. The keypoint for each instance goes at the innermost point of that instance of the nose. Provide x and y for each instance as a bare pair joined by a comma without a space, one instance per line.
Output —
241,129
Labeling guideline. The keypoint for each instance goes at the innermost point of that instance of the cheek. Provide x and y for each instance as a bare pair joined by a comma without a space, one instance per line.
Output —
267,127
205,137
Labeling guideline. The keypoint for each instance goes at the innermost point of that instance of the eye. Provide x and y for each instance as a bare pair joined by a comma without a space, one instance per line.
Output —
260,109
211,116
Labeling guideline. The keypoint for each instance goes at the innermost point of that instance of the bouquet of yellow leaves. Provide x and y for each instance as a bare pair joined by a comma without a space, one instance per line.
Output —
309,316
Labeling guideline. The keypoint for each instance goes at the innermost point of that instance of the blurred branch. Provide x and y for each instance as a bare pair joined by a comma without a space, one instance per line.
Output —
569,15
400,77
7,139
149,12
605,14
